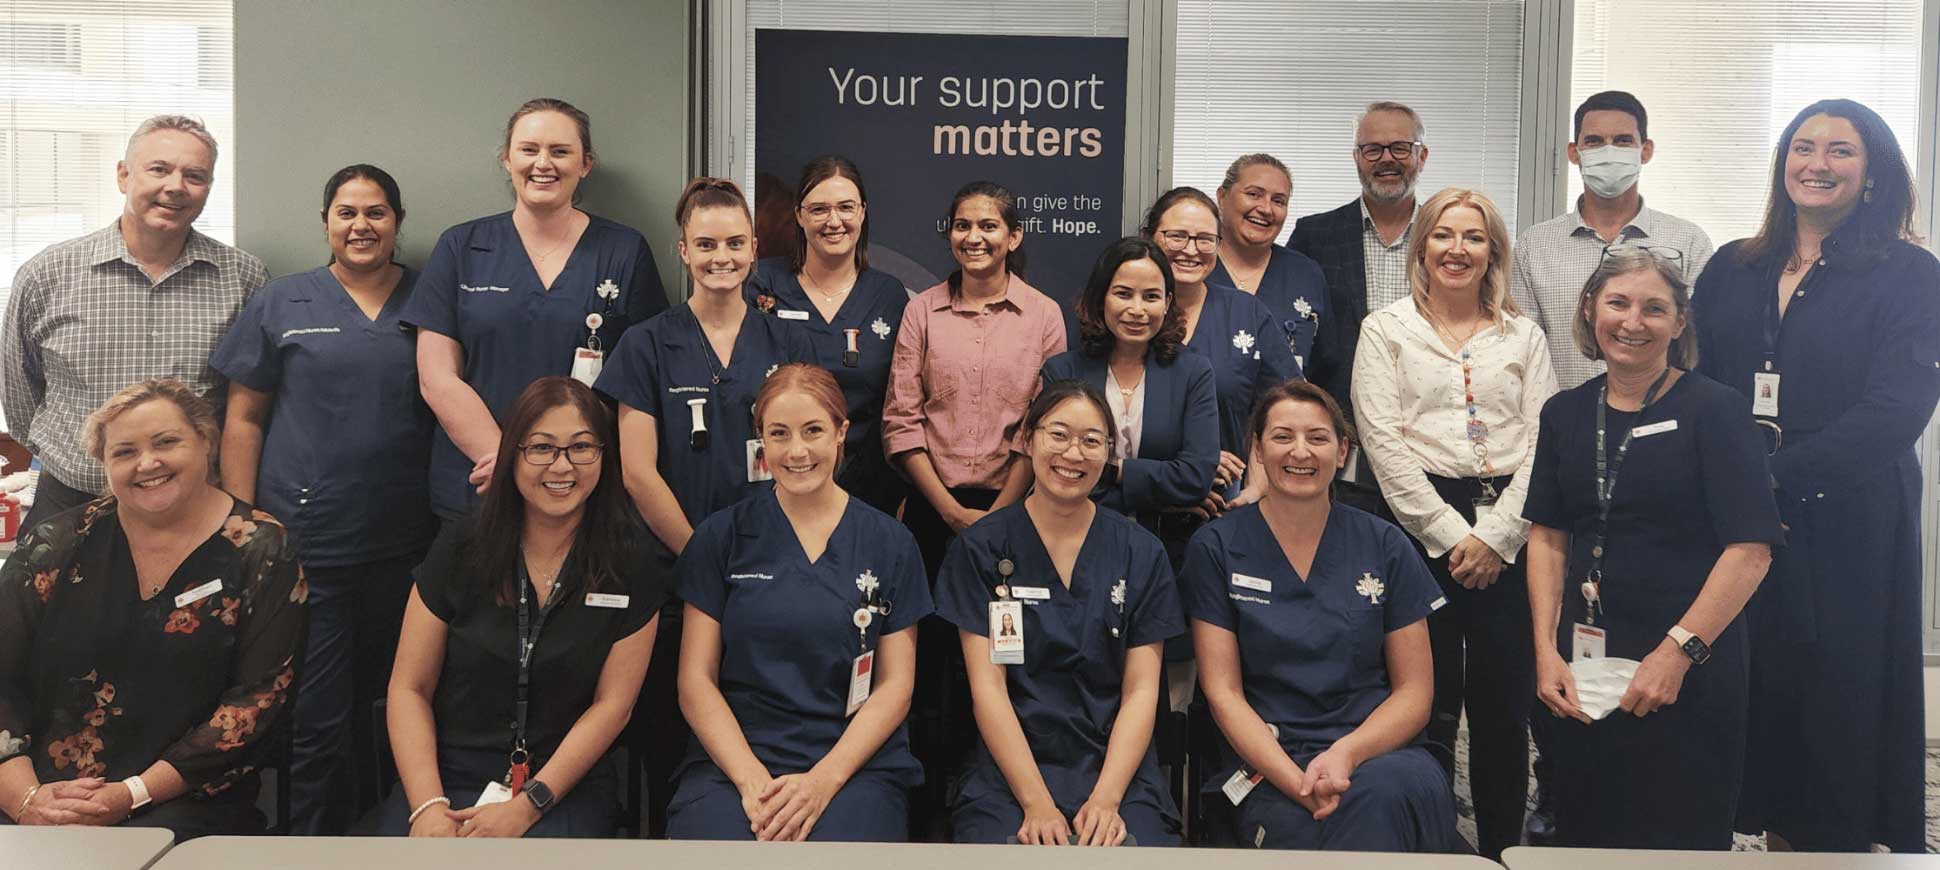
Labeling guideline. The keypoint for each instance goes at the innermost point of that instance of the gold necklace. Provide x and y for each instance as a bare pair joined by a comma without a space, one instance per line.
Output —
826,297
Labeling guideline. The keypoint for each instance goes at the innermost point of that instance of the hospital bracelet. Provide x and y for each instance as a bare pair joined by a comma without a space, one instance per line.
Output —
440,799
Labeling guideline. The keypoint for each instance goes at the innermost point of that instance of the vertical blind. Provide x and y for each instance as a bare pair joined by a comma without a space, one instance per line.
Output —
1721,79
1289,77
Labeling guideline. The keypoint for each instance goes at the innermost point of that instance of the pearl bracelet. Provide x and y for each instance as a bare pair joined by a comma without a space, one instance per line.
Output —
413,819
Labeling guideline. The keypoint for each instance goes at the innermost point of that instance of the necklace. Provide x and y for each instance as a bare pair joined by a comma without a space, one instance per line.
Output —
541,258
827,297
1251,280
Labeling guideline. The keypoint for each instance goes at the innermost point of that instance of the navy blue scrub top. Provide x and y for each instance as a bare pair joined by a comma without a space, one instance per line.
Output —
874,308
1310,650
1294,289
1249,352
480,289
665,362
788,632
1067,692
346,454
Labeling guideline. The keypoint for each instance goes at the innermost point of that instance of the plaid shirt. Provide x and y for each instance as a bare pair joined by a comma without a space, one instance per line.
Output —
1387,265
85,321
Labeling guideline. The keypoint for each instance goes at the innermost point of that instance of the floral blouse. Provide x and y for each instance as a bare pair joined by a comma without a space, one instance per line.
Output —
95,681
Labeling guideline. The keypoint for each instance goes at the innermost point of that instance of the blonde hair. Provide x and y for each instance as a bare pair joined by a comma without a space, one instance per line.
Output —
1497,304
1625,259
201,416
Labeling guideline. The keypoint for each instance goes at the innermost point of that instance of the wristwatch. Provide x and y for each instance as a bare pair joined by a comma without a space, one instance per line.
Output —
540,795
1692,645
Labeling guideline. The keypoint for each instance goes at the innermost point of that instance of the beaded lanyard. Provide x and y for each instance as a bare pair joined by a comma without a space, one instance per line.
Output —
1478,431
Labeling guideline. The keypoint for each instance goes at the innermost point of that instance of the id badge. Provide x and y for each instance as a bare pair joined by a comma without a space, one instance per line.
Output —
1586,642
495,793
861,675
1007,632
1484,508
1240,784
1351,471
1764,394
757,462
587,363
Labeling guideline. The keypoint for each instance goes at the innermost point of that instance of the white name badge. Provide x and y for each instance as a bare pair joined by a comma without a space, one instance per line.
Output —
1031,593
1006,632
1654,429
494,793
861,675
1240,784
786,314
757,463
1254,583
601,599
587,363
1484,508
1764,394
198,593
1586,642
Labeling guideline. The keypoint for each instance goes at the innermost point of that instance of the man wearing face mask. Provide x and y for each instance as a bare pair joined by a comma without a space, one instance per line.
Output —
1554,258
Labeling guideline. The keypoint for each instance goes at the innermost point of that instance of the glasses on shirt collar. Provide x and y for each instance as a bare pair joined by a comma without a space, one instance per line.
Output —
1372,151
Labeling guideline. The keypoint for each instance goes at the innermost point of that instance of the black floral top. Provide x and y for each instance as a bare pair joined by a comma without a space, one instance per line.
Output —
95,681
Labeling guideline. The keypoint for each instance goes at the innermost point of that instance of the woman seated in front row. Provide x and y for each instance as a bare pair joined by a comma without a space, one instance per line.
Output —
1065,711
1310,622
526,638
147,639
799,652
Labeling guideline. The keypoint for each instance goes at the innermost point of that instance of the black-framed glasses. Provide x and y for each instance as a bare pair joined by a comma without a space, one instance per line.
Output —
1624,246
1372,151
577,453
1179,240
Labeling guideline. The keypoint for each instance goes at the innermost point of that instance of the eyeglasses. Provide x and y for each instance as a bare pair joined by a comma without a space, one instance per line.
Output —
1178,240
820,211
577,453
1625,246
1372,151
1774,435
1090,444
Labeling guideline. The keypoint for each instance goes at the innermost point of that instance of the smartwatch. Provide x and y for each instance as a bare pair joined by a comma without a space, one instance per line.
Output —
1693,646
540,795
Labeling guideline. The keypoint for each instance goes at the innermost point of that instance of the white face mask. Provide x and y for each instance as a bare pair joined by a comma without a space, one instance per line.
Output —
1600,684
1610,170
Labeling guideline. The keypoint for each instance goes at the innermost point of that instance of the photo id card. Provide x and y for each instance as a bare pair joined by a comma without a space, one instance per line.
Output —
861,675
1007,632
587,363
1586,642
1764,394
1240,784
495,793
757,462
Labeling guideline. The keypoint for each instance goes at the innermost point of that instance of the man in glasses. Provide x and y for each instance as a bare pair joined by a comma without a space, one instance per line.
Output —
1362,248
1554,258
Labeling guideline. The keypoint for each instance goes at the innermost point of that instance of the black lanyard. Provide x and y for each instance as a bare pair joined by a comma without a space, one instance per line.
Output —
1606,483
529,630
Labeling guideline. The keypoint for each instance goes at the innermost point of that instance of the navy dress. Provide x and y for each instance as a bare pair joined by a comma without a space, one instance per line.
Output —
1066,693
1250,354
1837,747
870,316
1313,665
788,637
1696,450
479,288
1294,289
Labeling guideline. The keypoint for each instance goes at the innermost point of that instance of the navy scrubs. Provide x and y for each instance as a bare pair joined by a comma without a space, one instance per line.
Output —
1294,289
873,312
1067,692
480,289
1250,354
665,363
1313,665
788,639
344,463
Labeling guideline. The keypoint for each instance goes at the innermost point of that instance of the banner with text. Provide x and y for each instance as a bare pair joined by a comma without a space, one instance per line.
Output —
923,114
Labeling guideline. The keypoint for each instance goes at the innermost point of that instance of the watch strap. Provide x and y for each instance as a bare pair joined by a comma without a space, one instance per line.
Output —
139,791
1680,635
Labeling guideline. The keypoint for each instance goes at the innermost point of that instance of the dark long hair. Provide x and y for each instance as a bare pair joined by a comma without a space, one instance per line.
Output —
1094,336
1006,208
392,196
817,171
1874,225
603,545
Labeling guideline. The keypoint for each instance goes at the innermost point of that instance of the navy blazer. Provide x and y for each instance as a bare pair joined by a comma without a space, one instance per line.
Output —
1333,239
1179,441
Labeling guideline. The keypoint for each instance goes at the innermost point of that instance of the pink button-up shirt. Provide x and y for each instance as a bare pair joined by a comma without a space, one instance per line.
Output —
963,377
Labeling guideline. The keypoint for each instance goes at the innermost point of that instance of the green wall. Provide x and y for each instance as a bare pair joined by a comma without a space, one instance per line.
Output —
422,88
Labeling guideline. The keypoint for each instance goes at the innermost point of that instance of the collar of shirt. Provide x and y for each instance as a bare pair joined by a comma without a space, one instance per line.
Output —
956,303
107,245
1368,226
1638,227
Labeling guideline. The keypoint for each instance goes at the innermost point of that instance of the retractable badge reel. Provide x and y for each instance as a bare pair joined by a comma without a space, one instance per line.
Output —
589,360
1006,620
851,353
862,668
697,434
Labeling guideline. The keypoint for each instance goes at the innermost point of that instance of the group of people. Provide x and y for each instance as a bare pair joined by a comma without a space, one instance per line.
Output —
837,561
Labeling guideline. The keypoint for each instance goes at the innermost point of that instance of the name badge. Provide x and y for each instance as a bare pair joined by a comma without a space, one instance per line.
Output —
587,363
1007,632
198,593
786,314
1764,394
1240,784
757,462
1586,642
1032,593
861,674
1254,583
495,793
1654,429
601,599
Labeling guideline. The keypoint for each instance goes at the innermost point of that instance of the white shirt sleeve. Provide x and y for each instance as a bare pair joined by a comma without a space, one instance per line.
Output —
1505,530
1382,423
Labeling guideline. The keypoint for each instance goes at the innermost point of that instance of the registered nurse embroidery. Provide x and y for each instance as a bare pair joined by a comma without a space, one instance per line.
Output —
1370,587
1243,341
607,290
880,328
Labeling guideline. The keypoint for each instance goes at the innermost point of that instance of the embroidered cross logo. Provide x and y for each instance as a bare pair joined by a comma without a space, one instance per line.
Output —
1370,588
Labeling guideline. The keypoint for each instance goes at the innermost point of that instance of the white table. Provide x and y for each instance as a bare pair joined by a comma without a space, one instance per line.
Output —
31,847
1547,858
369,853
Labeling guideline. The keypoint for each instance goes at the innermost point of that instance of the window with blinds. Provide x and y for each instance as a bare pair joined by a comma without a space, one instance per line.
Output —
1289,77
1720,80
